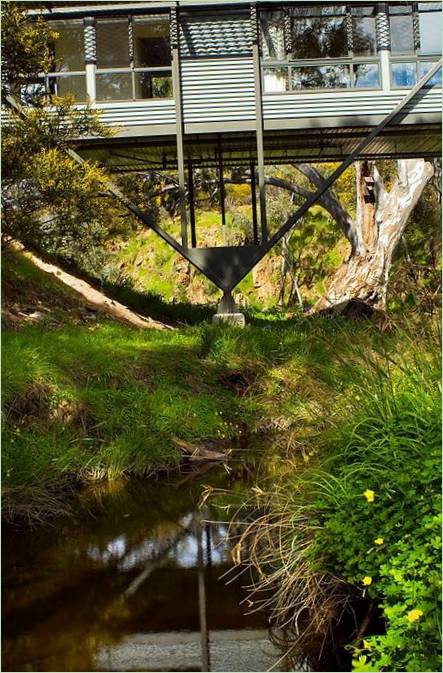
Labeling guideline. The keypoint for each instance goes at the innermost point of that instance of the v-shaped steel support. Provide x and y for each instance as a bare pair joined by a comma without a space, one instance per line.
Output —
227,266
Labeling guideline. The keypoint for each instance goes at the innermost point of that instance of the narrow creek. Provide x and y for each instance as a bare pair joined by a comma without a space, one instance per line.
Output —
127,584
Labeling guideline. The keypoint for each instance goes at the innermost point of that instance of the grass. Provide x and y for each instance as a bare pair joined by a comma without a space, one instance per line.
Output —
85,401
354,529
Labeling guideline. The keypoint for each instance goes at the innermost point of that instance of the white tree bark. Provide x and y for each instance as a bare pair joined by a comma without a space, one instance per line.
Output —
382,216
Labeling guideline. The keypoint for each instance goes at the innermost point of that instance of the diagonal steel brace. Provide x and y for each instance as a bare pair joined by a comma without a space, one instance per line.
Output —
256,253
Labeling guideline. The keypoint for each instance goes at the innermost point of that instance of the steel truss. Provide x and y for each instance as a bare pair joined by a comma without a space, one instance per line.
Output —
226,266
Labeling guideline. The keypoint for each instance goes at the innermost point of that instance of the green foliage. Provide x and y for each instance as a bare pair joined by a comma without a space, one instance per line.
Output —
26,51
49,201
379,508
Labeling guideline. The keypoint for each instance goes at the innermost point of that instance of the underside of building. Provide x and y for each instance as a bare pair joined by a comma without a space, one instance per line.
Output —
204,84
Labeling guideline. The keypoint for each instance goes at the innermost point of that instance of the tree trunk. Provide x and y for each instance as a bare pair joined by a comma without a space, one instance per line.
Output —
381,219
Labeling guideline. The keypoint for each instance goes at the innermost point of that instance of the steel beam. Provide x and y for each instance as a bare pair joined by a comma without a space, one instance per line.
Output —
176,85
191,204
254,205
259,122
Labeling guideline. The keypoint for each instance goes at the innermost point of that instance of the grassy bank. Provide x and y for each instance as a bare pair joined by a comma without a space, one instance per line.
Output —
95,399
354,538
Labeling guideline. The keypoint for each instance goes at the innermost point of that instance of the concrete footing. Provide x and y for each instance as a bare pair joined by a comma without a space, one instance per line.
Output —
231,319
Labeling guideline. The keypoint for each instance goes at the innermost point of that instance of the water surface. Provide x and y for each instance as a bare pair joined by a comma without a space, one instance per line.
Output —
117,587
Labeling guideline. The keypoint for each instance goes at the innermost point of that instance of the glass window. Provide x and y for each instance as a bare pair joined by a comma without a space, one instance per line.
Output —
321,77
364,41
404,74
435,79
366,76
430,27
112,35
69,48
114,86
151,42
319,32
402,30
69,85
272,34
276,79
153,85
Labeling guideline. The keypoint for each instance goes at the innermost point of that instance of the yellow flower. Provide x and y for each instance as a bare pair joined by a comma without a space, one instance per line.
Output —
378,540
366,645
369,495
413,615
367,580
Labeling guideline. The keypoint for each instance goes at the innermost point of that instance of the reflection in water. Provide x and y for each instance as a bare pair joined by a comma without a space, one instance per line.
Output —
121,583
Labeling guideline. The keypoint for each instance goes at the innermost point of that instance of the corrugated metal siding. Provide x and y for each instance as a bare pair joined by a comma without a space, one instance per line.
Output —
360,104
215,35
161,111
218,90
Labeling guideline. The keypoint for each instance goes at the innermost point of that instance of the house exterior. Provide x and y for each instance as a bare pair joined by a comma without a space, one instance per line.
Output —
218,83
319,65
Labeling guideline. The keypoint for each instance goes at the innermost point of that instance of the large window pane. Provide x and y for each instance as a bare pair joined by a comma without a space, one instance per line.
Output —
436,79
363,31
402,31
276,79
404,74
153,85
69,48
114,86
366,76
273,36
151,42
321,77
112,43
430,27
319,32
69,85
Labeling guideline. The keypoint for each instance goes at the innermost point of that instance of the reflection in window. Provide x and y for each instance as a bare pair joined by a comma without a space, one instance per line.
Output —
430,27
69,48
153,85
364,42
425,67
402,29
273,36
151,42
276,79
404,74
114,86
366,76
112,37
74,85
319,32
321,77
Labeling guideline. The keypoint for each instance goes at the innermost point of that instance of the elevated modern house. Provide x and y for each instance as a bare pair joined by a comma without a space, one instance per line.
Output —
220,83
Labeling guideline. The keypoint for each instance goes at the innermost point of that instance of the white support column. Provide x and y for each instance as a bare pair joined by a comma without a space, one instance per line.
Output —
385,65
384,44
90,82
90,57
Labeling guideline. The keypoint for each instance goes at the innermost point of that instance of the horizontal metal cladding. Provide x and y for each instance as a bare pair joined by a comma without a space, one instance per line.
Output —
218,90
138,113
300,106
203,36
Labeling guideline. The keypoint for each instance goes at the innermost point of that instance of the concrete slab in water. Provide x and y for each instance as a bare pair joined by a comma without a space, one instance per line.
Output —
230,650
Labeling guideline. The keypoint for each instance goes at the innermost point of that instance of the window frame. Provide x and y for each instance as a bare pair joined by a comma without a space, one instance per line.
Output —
351,59
416,56
58,74
132,69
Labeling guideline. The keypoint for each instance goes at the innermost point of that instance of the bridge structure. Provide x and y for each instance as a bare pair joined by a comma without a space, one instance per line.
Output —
217,84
